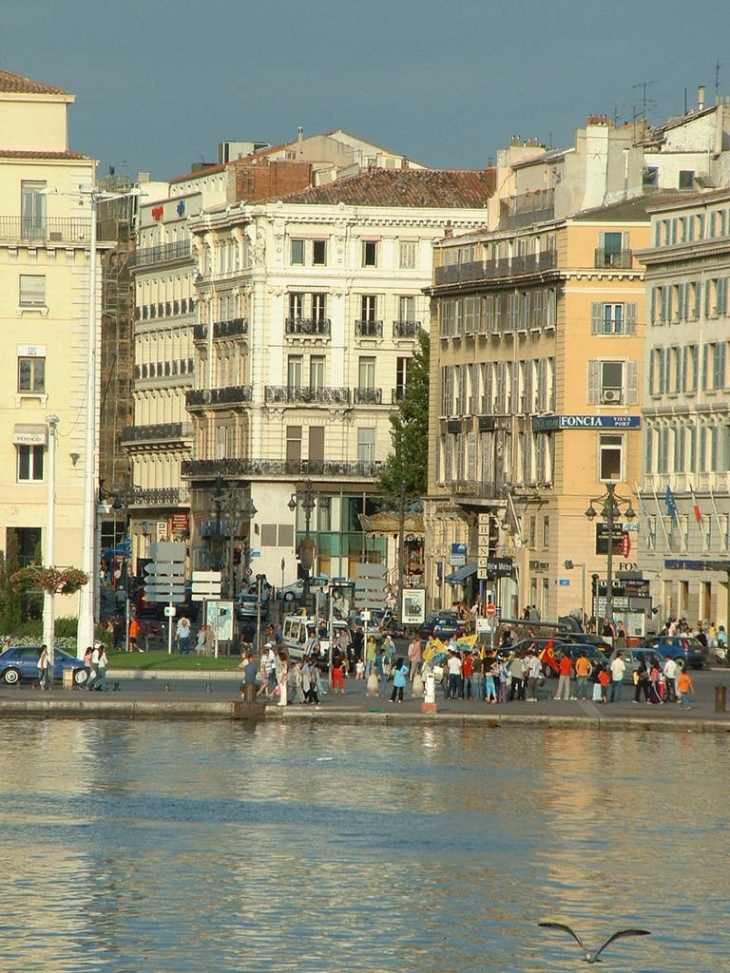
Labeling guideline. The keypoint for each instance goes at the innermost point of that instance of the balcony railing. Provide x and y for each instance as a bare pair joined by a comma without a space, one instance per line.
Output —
308,327
531,263
230,329
618,259
160,497
200,332
18,229
368,396
369,329
164,253
228,395
320,395
396,395
204,469
406,329
160,432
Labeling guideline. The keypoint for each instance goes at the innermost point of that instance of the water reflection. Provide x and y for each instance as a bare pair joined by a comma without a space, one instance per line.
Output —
192,847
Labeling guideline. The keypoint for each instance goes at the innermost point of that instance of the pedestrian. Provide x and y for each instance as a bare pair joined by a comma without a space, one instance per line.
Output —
467,675
490,687
454,684
382,669
117,632
96,652
516,670
670,677
583,670
134,633
182,635
501,681
338,676
565,665
618,668
87,662
359,669
309,682
102,663
414,656
42,666
268,660
533,671
684,688
282,678
248,686
641,682
200,641
400,674
371,654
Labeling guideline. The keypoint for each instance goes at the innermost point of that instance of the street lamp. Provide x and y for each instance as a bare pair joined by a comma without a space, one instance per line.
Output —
226,500
49,610
612,508
306,545
569,565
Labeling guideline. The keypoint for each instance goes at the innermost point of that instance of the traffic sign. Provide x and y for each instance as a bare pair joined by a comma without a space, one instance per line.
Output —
491,610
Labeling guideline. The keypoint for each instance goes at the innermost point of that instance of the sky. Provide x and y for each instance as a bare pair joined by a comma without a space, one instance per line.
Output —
159,84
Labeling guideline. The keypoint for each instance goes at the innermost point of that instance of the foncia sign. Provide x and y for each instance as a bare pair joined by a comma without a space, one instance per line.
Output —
545,423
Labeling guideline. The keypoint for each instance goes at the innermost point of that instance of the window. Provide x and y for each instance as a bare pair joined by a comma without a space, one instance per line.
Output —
30,463
33,209
296,306
369,253
368,307
366,445
319,253
546,532
686,179
316,371
613,382
293,444
610,457
297,251
613,318
31,374
407,255
319,307
366,373
294,371
32,290
406,309
401,375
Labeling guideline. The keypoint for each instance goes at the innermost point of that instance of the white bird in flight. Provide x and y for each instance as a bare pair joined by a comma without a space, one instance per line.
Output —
589,955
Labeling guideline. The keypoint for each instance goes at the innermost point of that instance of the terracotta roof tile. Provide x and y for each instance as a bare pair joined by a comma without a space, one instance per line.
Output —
17,84
426,188
635,208
31,154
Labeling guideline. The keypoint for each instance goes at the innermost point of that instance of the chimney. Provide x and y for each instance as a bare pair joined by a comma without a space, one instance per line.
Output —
700,97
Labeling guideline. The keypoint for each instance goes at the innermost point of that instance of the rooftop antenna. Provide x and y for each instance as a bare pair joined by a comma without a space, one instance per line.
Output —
717,82
646,105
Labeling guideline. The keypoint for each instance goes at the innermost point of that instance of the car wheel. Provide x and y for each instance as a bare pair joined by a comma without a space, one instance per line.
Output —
11,677
547,672
80,677
288,597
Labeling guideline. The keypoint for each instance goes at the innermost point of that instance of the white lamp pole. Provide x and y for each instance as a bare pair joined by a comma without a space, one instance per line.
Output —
49,612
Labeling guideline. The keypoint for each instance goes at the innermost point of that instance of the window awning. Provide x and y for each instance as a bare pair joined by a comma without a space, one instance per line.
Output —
27,435
460,576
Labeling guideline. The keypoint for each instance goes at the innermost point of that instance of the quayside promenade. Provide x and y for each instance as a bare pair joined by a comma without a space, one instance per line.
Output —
215,696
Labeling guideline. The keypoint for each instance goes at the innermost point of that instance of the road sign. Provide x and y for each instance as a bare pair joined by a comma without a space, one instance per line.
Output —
206,584
170,611
491,610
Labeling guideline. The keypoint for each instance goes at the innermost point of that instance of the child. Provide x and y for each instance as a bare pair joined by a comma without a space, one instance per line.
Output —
603,679
359,669
684,688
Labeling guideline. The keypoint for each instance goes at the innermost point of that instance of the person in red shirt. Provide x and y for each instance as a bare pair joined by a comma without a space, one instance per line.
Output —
565,664
467,672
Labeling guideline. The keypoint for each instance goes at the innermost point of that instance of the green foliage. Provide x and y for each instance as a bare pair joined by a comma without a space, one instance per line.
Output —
11,602
407,465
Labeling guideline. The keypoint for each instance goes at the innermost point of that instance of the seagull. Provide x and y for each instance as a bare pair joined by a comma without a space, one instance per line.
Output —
588,955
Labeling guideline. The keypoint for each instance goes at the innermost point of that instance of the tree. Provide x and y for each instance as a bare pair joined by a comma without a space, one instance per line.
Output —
406,468
11,602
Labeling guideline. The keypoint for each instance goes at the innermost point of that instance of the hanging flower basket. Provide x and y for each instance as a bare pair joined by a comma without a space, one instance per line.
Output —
58,581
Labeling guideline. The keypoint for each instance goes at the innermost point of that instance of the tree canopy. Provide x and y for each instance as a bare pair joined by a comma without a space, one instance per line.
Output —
407,465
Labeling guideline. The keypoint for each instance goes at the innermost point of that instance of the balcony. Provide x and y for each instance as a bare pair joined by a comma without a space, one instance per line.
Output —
166,432
297,395
521,266
369,329
230,329
160,497
526,208
229,395
165,253
397,394
38,232
406,329
207,469
368,396
307,327
614,259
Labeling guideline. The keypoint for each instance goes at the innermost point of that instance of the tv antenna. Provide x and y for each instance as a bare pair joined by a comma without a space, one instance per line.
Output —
645,105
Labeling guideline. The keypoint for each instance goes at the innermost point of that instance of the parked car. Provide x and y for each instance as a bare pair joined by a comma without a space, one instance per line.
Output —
441,625
295,591
247,606
679,647
633,656
574,649
19,663
585,638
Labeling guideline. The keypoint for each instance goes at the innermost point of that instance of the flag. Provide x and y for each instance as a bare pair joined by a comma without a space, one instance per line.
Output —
547,655
512,519
670,502
695,505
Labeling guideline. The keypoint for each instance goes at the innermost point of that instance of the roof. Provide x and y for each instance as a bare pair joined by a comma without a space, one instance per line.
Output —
33,154
426,188
631,210
17,84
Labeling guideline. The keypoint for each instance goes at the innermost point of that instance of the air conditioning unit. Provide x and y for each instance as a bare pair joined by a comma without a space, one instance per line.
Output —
611,395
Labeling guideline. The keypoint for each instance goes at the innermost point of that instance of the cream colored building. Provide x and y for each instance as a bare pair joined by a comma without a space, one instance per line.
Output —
537,349
44,313
309,308
685,487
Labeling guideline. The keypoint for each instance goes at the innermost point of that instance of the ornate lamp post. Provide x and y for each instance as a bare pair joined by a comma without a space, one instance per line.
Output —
613,506
306,546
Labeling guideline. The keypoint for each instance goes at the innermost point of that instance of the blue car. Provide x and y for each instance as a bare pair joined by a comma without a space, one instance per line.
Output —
19,663
682,648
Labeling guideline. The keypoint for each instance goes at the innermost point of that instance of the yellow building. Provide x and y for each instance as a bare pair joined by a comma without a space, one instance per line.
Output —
44,315
536,354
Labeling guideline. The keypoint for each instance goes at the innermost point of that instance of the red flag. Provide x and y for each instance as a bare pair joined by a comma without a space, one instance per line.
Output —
548,655
696,506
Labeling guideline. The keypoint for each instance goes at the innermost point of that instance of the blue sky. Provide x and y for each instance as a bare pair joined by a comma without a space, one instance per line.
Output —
158,84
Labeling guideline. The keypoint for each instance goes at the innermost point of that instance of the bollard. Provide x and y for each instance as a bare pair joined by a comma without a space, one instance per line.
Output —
207,687
167,687
720,693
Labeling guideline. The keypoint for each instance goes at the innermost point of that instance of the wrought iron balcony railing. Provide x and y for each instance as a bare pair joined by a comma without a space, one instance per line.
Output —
205,469
159,432
164,253
618,259
294,394
228,395
307,327
23,229
230,329
368,396
369,329
406,329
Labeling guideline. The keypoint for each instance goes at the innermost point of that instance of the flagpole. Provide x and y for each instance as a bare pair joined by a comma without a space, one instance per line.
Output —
698,517
717,513
661,521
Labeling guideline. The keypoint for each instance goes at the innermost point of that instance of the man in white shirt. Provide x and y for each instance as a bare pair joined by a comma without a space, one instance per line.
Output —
670,675
454,667
618,668
533,671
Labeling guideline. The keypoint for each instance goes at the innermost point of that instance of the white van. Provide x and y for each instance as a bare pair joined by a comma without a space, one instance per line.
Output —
295,634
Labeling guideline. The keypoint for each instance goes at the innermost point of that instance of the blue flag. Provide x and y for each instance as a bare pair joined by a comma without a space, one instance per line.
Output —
670,502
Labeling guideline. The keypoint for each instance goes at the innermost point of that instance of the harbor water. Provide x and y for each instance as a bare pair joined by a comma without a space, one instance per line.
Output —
186,846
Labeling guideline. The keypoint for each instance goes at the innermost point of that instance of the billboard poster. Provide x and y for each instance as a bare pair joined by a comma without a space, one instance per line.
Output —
414,606
219,616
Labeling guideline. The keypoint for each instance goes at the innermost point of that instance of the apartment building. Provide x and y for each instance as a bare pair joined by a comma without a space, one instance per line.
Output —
685,487
537,351
44,309
309,309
